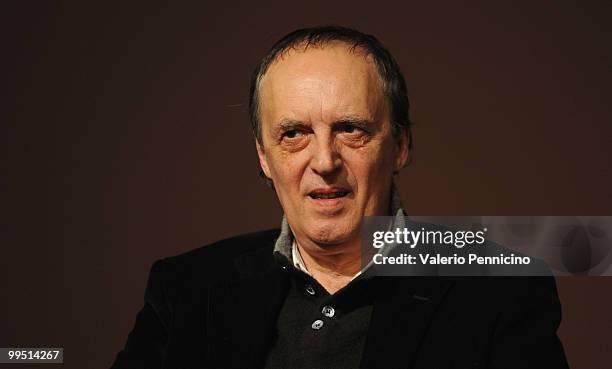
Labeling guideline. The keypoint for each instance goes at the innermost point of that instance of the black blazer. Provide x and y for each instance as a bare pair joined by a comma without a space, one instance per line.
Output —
216,307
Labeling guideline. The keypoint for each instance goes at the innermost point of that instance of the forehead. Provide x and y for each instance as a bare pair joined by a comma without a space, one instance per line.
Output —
321,83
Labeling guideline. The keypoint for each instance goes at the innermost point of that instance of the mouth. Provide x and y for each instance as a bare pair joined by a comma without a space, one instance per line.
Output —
324,194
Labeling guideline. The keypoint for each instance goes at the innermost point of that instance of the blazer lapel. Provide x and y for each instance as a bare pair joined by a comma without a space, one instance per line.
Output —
400,319
242,313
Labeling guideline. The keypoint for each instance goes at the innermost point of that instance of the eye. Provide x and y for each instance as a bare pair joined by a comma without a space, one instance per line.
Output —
351,129
294,133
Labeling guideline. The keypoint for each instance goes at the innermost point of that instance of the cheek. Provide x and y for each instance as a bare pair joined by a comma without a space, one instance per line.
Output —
372,172
370,165
287,170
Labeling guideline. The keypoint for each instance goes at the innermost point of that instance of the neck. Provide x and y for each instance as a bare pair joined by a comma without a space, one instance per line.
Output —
332,267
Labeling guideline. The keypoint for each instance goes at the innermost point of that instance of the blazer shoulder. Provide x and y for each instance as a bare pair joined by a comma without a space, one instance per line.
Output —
232,246
216,260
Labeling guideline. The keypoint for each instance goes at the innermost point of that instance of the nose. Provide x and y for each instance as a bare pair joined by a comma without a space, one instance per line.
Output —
326,159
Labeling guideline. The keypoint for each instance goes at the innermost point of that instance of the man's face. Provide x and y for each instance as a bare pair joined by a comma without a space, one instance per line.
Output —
327,141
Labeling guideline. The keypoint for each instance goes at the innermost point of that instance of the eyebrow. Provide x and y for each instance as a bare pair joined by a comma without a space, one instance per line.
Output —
360,122
289,124
356,121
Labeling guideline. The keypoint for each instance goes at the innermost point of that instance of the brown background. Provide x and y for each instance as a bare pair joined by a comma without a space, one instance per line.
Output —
125,139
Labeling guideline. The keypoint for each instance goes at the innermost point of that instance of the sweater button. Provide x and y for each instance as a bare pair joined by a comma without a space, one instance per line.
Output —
328,311
310,290
317,324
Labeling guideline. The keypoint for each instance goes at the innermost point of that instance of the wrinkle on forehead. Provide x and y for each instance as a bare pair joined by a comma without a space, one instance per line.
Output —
329,80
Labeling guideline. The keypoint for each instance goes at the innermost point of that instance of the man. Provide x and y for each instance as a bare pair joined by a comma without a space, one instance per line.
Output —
330,117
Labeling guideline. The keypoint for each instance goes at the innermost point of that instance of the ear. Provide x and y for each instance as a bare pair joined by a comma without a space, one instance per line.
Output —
402,157
263,161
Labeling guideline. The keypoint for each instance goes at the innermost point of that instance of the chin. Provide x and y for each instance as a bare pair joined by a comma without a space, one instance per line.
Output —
331,233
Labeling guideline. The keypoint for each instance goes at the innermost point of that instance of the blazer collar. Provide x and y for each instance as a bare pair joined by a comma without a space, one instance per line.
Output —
258,263
242,313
